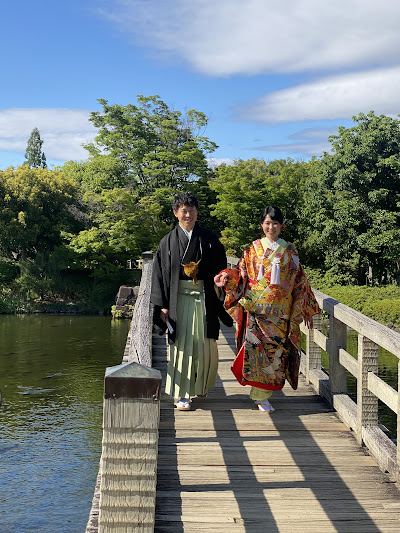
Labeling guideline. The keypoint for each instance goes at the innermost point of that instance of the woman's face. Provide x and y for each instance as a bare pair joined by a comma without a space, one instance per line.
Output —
271,228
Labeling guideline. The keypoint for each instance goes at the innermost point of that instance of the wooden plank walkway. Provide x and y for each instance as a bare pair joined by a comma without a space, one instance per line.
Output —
226,467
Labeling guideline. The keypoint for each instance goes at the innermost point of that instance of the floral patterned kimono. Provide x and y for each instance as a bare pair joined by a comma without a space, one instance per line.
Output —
268,295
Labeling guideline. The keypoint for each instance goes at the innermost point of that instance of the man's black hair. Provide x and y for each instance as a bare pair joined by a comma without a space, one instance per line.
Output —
184,198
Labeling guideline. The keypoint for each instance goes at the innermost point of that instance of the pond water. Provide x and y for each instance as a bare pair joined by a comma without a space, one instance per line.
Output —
51,379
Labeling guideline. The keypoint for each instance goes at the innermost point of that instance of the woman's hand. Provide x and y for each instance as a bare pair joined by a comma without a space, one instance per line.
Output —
308,321
164,315
221,279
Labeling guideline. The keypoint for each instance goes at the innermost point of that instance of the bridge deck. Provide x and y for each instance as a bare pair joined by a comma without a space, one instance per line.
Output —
225,466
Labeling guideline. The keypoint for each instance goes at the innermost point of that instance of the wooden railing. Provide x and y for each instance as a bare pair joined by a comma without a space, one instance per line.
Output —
138,345
361,417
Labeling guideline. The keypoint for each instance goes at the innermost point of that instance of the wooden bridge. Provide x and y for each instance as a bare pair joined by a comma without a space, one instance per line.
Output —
315,465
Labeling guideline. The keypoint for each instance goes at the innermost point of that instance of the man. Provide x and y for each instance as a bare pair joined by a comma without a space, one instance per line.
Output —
186,302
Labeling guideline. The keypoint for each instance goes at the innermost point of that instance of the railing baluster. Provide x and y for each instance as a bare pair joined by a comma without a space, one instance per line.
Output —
139,339
313,350
367,402
337,339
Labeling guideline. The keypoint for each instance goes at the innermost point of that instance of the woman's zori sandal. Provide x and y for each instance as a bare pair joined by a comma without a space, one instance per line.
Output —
264,406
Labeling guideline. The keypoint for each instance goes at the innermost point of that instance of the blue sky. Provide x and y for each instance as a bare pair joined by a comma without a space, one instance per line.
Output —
274,78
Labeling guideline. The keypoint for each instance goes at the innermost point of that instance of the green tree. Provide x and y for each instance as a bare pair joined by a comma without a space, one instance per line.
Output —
103,172
140,157
156,146
350,210
35,158
124,226
207,198
245,188
33,210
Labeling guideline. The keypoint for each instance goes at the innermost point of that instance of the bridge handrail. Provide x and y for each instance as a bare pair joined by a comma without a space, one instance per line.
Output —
360,416
373,330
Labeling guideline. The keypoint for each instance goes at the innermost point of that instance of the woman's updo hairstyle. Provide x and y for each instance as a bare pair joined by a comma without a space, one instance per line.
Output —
274,212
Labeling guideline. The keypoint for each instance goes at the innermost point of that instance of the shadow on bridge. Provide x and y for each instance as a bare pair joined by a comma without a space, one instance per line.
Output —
225,466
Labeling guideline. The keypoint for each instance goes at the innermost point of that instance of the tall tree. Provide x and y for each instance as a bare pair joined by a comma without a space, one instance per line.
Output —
35,158
158,147
140,157
350,213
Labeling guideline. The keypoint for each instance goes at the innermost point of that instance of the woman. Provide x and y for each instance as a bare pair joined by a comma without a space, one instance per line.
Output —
268,295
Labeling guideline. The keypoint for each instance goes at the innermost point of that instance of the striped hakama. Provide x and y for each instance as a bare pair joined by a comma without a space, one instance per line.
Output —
193,358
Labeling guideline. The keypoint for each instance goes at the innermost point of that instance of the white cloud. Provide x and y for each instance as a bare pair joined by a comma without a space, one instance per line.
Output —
310,134
259,36
62,131
333,97
304,143
306,149
214,162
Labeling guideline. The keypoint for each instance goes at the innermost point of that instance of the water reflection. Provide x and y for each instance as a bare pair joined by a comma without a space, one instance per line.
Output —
51,378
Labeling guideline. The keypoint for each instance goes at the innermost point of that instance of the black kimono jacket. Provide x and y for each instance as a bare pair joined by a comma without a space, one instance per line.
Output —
168,270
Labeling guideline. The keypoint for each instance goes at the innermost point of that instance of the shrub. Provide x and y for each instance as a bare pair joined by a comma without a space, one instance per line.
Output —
384,311
379,303
8,270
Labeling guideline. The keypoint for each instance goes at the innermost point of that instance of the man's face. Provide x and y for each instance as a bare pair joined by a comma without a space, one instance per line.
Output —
187,216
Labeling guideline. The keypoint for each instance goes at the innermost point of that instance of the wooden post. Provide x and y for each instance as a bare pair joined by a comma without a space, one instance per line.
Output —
312,349
337,339
367,402
129,450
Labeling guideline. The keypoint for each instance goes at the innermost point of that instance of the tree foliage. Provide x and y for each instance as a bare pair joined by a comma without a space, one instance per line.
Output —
342,209
245,188
350,214
103,172
156,146
123,228
141,156
34,155
33,210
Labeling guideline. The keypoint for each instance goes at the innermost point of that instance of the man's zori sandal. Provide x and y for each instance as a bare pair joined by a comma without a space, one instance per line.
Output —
265,406
183,404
